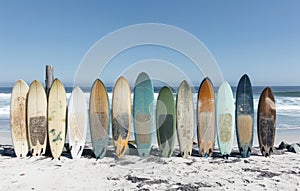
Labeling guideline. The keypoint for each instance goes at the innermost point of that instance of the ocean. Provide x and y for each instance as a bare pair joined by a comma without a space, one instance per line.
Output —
287,104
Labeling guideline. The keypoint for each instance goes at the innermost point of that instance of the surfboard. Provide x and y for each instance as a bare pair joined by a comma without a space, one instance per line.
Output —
121,116
57,108
37,118
185,119
266,122
143,112
225,119
77,122
99,118
206,118
244,116
166,121
18,119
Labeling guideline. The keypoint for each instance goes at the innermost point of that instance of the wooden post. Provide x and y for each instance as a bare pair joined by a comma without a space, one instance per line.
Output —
49,77
48,81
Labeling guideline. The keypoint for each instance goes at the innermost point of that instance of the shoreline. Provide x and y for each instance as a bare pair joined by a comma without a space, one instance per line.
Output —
288,135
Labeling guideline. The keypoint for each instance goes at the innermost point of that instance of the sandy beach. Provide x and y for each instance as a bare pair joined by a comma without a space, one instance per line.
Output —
281,171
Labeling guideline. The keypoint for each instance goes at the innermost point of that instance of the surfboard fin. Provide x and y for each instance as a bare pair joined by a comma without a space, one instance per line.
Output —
266,154
249,151
263,151
210,152
226,156
206,155
79,150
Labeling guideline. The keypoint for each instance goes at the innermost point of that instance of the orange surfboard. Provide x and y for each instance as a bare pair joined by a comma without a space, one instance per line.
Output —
206,118
99,118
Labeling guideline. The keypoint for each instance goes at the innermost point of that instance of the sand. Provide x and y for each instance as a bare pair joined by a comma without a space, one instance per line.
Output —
278,172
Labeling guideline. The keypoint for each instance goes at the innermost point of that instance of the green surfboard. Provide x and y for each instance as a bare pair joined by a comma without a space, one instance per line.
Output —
166,121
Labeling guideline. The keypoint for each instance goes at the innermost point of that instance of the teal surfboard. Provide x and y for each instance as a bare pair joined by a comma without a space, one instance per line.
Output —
166,121
225,119
143,112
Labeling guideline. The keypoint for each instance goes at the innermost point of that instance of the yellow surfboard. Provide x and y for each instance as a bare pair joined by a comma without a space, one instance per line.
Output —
57,107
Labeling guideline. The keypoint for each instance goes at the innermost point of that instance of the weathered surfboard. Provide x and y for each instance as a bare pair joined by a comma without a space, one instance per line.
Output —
185,119
77,122
57,108
121,116
143,112
266,122
225,119
244,116
37,118
99,118
206,118
18,123
166,121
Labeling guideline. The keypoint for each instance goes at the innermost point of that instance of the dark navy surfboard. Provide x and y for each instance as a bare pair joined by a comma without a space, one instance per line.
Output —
244,116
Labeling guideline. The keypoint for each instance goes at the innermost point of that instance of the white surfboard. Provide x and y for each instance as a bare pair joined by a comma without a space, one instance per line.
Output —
225,119
77,122
185,119
18,123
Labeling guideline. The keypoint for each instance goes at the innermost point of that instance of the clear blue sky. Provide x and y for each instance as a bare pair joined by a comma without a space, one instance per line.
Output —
261,38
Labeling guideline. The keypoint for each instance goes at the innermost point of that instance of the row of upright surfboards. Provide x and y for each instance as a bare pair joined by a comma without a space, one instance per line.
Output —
36,118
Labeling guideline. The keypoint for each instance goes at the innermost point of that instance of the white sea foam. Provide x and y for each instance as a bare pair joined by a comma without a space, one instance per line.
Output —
4,111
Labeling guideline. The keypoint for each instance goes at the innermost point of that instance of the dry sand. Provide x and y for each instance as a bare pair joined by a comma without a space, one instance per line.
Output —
278,172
